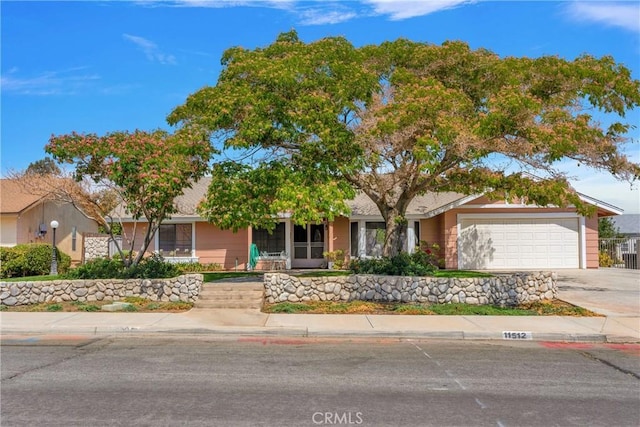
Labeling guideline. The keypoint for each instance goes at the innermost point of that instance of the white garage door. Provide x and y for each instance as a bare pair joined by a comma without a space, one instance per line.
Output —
529,243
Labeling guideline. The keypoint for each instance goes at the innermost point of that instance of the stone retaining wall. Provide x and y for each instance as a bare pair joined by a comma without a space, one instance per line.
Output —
182,288
503,290
96,246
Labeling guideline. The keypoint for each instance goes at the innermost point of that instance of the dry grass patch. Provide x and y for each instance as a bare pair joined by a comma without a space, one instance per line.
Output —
546,308
139,305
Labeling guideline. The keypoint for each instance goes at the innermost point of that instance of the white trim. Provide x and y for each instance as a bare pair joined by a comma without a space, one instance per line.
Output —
451,205
172,220
504,206
368,218
287,243
600,204
458,233
193,241
518,215
582,229
411,237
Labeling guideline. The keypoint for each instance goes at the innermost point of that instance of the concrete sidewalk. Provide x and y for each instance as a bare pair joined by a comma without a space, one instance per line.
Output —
614,294
253,322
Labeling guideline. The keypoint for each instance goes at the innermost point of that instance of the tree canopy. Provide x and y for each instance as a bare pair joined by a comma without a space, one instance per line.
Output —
607,229
400,119
46,166
141,172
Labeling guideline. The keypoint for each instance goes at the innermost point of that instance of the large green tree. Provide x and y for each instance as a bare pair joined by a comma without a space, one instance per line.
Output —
399,119
139,173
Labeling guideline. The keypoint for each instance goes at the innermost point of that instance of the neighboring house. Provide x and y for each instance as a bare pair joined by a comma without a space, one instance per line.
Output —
473,232
25,218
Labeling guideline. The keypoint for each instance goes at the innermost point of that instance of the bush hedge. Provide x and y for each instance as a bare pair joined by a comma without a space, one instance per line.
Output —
153,267
420,263
31,259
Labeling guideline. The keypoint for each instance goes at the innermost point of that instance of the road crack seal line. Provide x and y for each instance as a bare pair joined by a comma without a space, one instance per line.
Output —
84,349
609,364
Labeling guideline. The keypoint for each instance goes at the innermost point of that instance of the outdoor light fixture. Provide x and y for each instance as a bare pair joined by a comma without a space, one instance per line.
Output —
54,259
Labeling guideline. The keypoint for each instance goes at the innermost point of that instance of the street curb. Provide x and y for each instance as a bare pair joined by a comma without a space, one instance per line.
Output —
305,333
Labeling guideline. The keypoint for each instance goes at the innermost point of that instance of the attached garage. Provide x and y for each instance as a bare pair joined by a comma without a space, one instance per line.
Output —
487,241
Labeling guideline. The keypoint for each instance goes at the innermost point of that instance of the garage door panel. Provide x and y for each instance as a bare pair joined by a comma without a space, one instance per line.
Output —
519,243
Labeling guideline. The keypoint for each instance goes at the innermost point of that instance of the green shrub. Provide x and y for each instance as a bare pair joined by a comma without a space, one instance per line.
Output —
153,267
54,307
196,267
88,307
419,263
31,259
100,268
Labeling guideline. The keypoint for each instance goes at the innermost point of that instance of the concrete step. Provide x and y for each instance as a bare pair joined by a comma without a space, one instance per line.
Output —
228,304
213,297
231,295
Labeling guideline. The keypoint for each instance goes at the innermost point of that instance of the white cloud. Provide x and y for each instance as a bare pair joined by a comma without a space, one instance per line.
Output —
322,12
150,49
323,16
625,15
404,9
64,82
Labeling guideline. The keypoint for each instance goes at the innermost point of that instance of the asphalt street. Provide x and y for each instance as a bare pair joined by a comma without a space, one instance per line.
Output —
244,381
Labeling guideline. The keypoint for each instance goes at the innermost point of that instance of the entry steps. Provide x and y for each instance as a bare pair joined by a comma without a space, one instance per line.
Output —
231,295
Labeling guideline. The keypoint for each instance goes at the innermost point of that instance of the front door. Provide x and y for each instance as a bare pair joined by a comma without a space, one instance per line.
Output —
308,246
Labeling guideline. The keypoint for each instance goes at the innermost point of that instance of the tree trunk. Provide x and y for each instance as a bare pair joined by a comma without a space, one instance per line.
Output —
396,232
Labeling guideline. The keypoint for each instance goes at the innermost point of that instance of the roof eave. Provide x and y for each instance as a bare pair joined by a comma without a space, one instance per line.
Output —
604,209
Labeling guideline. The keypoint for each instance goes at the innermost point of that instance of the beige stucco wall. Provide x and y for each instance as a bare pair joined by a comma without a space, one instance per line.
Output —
28,223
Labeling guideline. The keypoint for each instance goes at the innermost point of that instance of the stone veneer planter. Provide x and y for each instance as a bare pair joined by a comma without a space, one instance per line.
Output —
503,290
182,288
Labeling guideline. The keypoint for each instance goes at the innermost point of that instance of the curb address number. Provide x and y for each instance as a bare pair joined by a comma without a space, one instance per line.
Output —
517,335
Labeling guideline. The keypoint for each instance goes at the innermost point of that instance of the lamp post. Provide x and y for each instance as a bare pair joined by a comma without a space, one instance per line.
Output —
54,258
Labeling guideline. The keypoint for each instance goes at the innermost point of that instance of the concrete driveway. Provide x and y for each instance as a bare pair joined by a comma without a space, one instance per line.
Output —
609,291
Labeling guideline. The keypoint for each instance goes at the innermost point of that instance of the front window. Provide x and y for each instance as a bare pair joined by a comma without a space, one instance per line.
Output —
375,232
175,240
269,242
373,241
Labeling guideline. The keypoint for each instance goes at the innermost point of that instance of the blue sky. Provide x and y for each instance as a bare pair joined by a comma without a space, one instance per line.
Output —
103,66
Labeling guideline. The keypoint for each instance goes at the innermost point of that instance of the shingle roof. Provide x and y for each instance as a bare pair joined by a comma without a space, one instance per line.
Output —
428,205
361,205
14,198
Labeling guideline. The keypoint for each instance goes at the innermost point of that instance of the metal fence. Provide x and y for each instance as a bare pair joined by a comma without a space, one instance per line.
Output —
619,253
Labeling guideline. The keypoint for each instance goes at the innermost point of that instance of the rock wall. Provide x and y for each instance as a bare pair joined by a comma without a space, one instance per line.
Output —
182,288
96,246
503,290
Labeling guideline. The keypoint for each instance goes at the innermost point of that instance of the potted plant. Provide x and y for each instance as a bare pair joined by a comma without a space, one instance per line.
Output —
335,259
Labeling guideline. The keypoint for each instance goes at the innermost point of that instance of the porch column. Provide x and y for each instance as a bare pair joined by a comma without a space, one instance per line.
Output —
362,238
249,242
287,243
329,239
